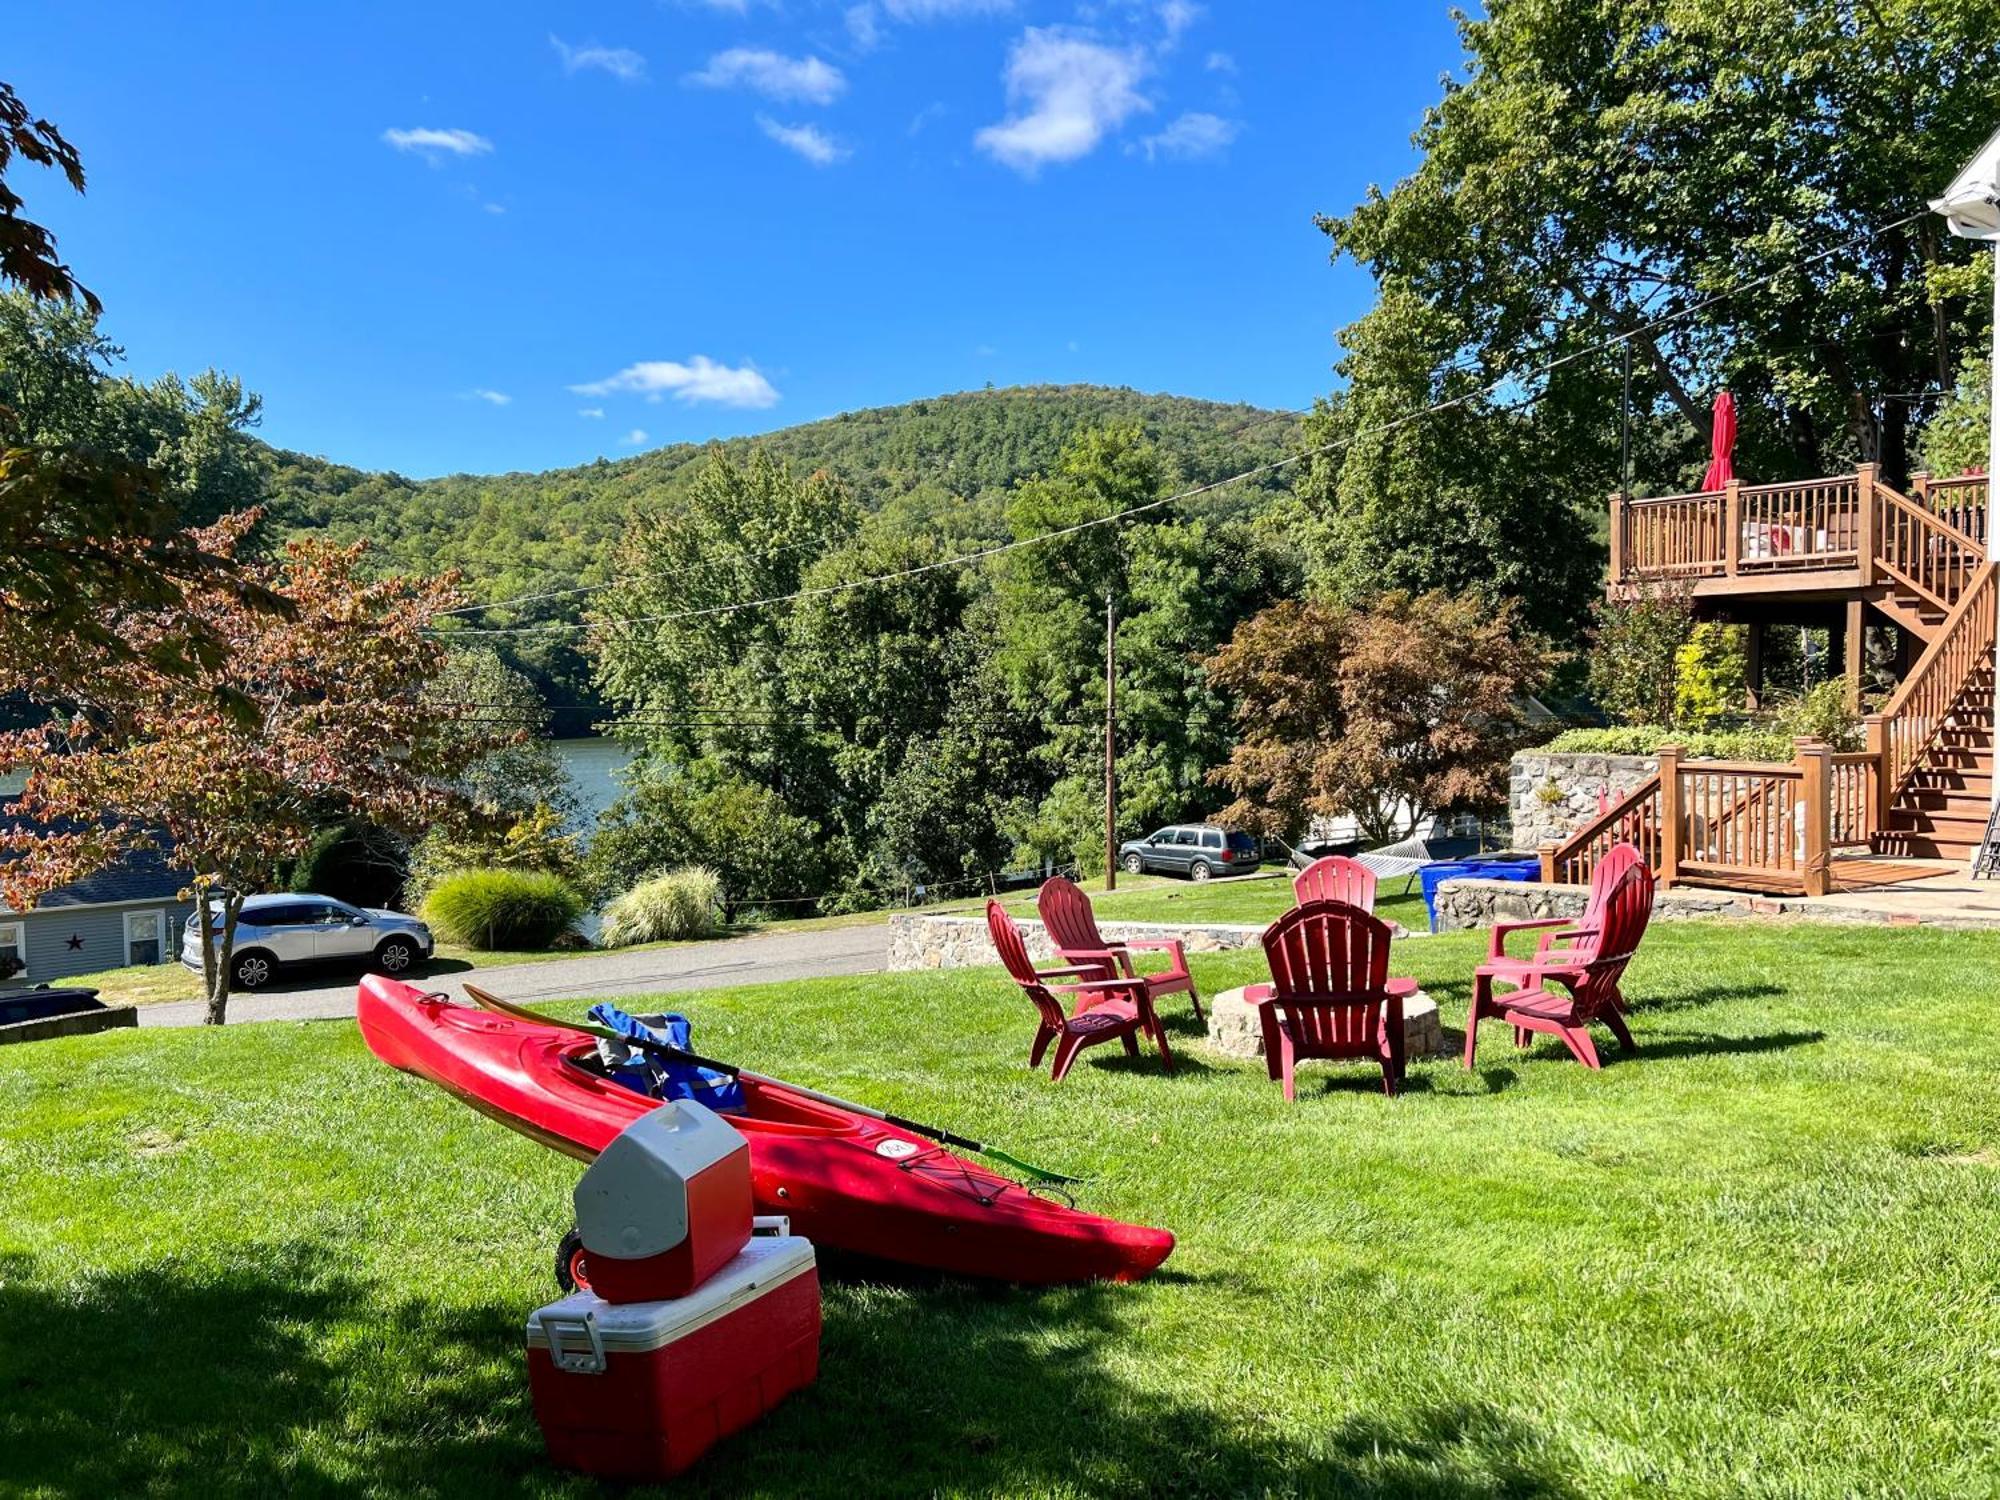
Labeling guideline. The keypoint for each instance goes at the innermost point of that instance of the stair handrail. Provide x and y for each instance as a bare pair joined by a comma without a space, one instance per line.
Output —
1910,552
1570,861
1913,718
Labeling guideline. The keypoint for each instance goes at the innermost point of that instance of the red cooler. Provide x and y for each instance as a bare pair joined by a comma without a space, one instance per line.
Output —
665,1206
640,1390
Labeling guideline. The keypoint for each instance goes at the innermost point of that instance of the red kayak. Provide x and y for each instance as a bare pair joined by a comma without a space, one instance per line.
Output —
846,1182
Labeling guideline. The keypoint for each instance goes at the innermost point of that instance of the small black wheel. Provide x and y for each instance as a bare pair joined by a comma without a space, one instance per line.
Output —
1200,870
571,1275
1134,865
396,955
251,970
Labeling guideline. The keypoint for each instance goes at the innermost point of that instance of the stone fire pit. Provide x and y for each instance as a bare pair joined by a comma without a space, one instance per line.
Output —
1233,1027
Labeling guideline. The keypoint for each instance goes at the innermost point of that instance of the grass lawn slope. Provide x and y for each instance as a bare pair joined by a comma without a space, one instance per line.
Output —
1757,1259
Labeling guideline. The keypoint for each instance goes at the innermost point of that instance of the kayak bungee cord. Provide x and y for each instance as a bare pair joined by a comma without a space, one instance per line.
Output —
486,1000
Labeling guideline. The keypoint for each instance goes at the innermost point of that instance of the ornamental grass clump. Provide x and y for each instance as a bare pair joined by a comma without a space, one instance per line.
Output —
503,910
684,903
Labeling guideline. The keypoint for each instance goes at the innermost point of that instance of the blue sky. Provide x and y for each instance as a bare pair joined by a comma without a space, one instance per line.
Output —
512,236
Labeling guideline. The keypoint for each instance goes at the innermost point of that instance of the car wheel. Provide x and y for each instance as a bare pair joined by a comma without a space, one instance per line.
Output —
571,1273
252,970
1134,865
1199,870
395,955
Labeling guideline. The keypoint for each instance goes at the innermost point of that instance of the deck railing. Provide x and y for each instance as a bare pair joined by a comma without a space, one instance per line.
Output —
1852,523
1741,824
1911,720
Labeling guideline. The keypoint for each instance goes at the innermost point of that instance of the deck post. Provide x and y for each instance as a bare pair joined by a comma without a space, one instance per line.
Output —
1617,537
1867,520
1670,816
1548,852
1856,649
1815,759
1877,728
1732,528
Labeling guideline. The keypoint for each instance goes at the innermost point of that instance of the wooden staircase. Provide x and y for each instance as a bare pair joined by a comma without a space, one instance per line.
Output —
1940,811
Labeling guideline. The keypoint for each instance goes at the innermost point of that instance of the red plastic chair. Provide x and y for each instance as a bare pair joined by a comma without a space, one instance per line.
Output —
1072,925
1565,1001
1330,994
1336,878
1108,1008
1564,944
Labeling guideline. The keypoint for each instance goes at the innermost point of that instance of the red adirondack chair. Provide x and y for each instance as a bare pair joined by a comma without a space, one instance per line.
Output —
1564,1001
1066,913
1564,944
1336,878
1330,994
1108,1007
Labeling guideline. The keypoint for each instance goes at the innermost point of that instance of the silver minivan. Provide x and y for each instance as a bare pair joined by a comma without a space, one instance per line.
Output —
275,932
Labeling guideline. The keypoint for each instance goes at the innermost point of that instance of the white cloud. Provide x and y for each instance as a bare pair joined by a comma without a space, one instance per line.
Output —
937,109
494,208
634,438
1177,16
1220,62
622,63
809,141
1193,137
943,10
1067,93
863,29
773,75
700,379
490,397
436,144
595,413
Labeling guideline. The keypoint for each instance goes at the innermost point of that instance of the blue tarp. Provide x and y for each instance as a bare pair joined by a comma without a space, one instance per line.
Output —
1525,870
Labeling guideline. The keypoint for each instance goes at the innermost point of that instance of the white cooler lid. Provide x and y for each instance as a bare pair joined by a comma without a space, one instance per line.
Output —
640,1327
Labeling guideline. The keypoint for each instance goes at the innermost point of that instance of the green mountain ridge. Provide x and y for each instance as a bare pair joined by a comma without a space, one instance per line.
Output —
518,532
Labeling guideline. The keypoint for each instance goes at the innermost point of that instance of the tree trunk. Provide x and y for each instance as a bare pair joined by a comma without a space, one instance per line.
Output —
217,958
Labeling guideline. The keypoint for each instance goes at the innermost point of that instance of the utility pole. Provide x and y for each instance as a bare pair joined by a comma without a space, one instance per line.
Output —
1625,430
1110,743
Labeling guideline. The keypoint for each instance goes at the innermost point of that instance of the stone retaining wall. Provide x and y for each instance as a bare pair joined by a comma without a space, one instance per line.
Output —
1551,796
1467,904
918,941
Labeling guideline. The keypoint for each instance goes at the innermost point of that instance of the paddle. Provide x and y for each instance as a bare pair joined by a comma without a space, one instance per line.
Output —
489,1001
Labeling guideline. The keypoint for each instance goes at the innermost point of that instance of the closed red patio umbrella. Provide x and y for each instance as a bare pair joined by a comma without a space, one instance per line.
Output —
1722,443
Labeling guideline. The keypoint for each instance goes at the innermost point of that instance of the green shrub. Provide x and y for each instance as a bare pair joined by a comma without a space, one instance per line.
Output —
533,840
503,910
1711,674
1759,743
684,903
1821,713
1632,653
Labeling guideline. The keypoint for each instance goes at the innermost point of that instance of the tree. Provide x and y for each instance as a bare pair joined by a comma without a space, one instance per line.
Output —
1958,439
339,730
1386,715
1634,654
27,250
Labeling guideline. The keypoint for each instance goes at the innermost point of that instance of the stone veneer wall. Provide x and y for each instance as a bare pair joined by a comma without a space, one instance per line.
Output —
917,941
1539,815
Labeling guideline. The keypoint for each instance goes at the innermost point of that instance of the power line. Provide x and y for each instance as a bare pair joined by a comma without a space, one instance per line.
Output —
1484,392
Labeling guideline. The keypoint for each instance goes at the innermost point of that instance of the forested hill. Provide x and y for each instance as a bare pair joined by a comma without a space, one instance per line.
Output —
946,461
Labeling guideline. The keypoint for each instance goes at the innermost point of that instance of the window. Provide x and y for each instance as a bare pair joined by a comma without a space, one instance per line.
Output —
1243,843
1211,841
145,937
1164,836
13,949
1185,838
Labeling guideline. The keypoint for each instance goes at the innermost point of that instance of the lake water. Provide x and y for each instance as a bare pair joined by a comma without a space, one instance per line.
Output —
593,766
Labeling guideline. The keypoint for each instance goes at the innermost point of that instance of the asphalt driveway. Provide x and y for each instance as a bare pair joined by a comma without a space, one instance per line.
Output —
766,958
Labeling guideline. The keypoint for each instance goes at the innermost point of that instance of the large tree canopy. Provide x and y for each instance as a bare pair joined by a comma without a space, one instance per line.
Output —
1600,165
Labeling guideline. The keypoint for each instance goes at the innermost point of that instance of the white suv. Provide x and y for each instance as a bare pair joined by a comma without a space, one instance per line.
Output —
276,932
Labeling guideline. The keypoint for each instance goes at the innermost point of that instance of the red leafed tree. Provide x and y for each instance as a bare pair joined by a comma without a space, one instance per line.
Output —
229,763
1385,714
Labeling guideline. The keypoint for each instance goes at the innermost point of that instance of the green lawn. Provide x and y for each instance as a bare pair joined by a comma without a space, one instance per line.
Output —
1759,1258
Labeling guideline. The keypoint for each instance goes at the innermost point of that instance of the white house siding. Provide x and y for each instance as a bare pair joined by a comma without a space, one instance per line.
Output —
102,929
